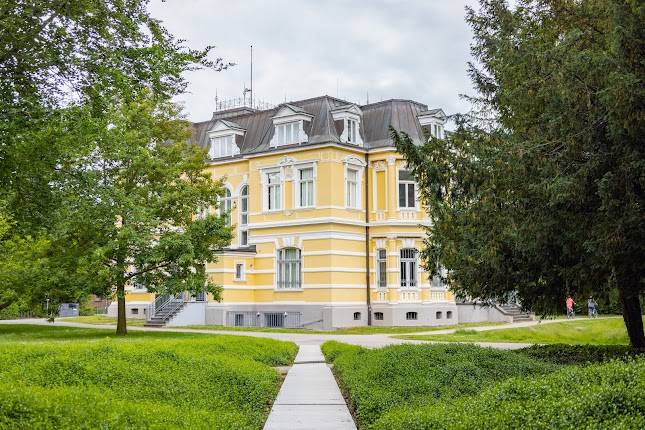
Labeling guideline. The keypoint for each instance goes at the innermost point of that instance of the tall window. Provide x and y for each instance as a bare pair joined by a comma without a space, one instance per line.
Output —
352,188
244,215
409,267
351,130
226,204
289,268
274,191
287,133
381,267
223,146
407,194
306,187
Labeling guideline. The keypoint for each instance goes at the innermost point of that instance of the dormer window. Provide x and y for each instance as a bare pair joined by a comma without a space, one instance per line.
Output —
289,122
347,119
351,130
287,134
223,146
224,138
432,122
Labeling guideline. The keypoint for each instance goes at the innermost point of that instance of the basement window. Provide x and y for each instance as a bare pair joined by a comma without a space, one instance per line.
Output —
411,315
134,311
449,314
439,315
357,316
378,316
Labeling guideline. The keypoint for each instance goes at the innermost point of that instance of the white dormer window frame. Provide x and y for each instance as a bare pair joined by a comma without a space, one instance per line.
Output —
222,138
289,127
435,121
351,116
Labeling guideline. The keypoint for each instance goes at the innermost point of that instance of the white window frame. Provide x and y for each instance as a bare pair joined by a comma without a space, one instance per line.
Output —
243,229
223,146
407,184
357,204
292,266
379,271
409,265
242,274
352,130
266,187
299,182
225,205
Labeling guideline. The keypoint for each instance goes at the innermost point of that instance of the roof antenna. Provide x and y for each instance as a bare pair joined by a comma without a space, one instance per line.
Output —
251,76
367,100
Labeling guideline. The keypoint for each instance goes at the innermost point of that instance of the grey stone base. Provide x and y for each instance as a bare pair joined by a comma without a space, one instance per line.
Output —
324,317
132,310
472,312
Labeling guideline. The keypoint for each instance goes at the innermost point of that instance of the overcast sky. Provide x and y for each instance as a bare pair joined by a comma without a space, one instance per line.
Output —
412,49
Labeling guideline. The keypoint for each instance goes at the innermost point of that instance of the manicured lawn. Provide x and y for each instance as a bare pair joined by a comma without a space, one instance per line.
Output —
464,387
101,320
605,331
59,377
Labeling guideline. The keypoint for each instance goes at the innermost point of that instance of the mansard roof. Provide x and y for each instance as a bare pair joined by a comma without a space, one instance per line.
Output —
377,118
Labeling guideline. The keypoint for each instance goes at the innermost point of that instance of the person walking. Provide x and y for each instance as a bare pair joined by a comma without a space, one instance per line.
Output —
570,312
592,306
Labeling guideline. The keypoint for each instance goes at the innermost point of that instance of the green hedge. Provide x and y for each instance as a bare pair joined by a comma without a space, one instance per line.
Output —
601,396
382,380
48,379
577,354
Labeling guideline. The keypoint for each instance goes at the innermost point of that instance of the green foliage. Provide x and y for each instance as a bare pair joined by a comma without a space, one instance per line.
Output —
540,190
72,378
577,354
382,380
606,396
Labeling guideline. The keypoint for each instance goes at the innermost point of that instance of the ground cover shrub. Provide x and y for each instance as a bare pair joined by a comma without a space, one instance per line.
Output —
381,380
600,396
578,354
74,378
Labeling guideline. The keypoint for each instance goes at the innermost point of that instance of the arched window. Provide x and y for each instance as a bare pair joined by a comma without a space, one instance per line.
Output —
244,215
289,268
409,267
225,205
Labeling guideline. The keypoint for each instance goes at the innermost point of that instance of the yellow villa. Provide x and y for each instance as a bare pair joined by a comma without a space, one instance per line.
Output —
327,221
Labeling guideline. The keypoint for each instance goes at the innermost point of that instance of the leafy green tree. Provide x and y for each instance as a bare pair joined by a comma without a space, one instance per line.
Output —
137,193
66,69
541,190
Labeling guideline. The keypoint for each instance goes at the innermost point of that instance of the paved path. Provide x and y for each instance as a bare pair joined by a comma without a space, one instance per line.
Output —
366,340
309,398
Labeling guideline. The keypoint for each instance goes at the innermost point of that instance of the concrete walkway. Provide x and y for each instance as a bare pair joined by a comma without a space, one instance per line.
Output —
366,340
309,398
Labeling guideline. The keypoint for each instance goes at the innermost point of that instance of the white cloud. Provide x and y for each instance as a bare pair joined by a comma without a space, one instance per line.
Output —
389,49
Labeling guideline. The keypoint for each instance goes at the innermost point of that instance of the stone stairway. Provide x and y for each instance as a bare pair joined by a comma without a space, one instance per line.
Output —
516,312
164,308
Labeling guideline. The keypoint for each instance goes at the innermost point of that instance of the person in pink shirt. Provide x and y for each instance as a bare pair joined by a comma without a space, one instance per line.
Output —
570,312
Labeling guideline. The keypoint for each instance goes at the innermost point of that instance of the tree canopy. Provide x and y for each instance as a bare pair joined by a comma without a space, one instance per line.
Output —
541,188
94,164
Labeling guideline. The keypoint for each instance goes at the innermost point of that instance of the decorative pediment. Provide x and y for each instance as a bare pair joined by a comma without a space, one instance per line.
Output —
286,161
223,127
350,109
350,159
433,116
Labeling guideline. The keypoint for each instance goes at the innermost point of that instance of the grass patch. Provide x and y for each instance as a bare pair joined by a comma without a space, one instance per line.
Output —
450,386
60,377
606,331
382,380
101,320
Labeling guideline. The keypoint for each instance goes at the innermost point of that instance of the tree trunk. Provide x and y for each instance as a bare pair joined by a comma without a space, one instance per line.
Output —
632,317
121,328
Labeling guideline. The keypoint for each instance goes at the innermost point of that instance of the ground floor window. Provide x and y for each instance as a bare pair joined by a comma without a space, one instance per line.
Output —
381,268
409,267
289,268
